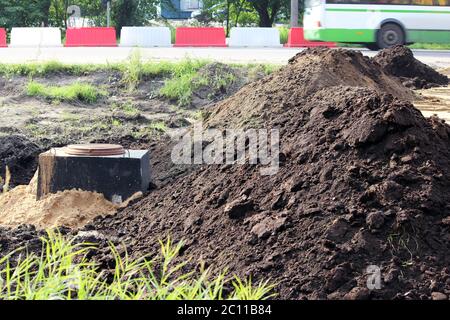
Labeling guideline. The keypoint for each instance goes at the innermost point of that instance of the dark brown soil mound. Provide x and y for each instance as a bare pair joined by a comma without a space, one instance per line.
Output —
307,73
399,61
19,154
364,180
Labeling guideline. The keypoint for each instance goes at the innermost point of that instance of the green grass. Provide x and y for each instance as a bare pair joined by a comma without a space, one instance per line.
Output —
64,272
159,126
77,91
179,77
127,108
181,84
284,34
132,71
154,129
50,67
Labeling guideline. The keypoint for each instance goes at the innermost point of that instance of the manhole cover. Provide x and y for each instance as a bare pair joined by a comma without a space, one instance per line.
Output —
94,150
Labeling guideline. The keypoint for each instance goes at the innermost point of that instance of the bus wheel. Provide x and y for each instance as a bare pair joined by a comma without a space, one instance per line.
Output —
390,35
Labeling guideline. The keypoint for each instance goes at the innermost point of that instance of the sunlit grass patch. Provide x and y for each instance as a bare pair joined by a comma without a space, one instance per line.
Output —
48,67
63,271
77,91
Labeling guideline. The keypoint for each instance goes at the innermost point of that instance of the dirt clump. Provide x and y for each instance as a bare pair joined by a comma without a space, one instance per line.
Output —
20,155
399,61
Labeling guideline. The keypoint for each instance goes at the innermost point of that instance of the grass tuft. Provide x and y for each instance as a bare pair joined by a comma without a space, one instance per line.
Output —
284,34
77,91
64,272
132,72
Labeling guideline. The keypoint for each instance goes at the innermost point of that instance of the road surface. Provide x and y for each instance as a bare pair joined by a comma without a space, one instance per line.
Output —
438,59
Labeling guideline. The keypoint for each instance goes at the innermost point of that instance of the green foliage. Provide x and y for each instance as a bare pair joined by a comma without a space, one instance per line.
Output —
132,72
45,68
180,86
127,108
268,10
181,77
78,91
64,272
284,34
133,12
33,13
230,12
24,13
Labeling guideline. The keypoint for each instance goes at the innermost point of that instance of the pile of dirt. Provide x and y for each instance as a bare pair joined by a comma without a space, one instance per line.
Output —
364,181
399,61
20,155
71,208
307,73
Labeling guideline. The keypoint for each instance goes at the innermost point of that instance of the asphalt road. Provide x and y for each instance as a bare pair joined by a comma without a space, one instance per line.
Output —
439,59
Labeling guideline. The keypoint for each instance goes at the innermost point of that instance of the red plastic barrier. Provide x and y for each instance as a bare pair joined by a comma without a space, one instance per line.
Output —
2,38
200,37
91,37
297,39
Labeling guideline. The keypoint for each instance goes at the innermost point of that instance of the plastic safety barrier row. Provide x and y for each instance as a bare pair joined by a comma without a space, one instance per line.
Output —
297,40
35,37
91,37
145,37
255,37
2,38
200,37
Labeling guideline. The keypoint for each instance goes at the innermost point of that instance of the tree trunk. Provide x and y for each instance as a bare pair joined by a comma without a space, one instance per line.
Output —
265,20
238,12
228,17
294,13
45,12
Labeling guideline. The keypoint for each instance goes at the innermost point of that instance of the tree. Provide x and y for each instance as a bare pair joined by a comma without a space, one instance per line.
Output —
229,12
133,12
24,13
268,10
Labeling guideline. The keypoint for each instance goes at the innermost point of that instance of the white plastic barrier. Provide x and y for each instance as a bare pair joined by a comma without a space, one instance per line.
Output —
145,37
255,37
35,37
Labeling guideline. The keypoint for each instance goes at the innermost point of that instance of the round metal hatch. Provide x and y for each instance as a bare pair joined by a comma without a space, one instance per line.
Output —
94,150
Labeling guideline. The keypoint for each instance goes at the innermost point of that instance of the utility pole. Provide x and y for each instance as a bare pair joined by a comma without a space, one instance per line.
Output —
294,13
108,13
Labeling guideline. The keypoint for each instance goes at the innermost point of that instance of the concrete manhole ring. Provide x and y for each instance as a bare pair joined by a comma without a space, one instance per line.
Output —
94,149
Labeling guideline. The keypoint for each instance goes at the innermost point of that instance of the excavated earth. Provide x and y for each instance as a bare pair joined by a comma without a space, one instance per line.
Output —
364,181
399,61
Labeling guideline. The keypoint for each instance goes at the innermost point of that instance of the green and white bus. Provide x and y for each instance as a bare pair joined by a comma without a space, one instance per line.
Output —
377,23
